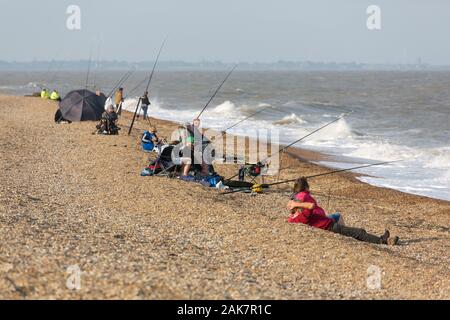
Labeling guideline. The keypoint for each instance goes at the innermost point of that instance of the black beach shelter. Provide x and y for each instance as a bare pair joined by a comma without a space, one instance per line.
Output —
82,105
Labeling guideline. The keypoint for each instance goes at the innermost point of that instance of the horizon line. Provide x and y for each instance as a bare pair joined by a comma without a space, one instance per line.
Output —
281,65
204,61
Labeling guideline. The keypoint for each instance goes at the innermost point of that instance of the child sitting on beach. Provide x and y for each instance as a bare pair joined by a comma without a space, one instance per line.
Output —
304,209
150,140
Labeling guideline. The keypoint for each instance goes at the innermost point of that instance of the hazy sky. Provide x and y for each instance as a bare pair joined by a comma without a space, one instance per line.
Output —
228,30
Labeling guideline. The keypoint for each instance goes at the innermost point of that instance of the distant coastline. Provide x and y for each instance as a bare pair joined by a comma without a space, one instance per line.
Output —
216,65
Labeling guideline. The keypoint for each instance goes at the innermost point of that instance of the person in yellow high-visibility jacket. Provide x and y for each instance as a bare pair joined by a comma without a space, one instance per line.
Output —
119,100
55,96
45,94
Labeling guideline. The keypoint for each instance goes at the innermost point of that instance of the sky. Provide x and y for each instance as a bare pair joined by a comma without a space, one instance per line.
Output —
227,30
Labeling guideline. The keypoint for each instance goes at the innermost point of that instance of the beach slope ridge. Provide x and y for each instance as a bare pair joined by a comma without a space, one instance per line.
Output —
78,221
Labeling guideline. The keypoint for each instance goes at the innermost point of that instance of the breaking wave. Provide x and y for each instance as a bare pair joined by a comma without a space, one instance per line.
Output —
383,151
289,120
439,158
226,108
340,130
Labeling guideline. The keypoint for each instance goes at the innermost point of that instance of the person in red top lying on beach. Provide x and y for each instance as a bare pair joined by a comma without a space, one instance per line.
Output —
304,209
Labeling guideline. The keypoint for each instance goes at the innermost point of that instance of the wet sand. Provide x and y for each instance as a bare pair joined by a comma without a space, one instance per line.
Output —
70,198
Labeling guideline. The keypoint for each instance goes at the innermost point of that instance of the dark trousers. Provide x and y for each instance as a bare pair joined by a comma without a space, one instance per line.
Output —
356,233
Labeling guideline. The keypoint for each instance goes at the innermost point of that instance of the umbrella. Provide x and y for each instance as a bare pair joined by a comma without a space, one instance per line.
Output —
82,105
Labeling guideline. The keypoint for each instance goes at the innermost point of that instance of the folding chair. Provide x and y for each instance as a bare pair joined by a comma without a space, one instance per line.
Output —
164,165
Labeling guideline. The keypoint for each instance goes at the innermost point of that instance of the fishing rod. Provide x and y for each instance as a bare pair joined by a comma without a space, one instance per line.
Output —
249,117
211,99
122,80
50,66
128,76
97,64
308,135
267,186
148,85
299,140
241,121
49,69
150,78
89,69
138,86
118,85
216,92
333,172
114,88
55,73
154,67
54,61
245,119
94,76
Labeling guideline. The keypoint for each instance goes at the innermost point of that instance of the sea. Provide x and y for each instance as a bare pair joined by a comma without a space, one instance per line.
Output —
396,115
